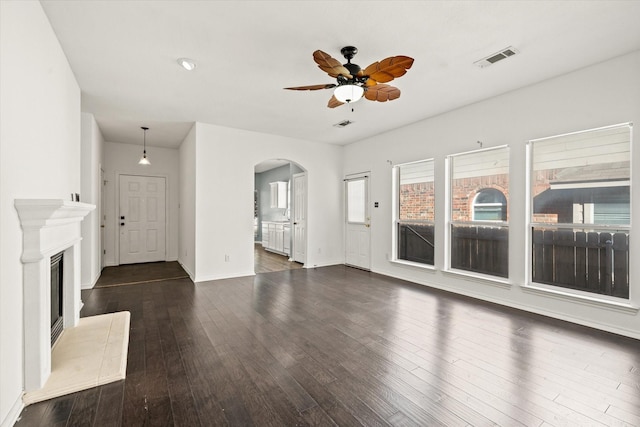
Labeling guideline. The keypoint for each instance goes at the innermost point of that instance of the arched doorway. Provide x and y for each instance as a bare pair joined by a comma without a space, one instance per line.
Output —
280,205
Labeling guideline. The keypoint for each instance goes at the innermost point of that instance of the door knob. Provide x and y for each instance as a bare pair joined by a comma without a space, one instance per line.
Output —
121,224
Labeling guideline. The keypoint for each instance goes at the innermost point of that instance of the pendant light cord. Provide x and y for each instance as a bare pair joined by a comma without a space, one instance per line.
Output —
144,141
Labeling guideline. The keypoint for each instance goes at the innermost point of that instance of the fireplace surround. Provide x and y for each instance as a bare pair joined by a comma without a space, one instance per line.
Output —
49,226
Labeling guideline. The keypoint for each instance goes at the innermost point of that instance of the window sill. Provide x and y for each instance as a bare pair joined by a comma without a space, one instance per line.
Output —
478,277
592,301
413,264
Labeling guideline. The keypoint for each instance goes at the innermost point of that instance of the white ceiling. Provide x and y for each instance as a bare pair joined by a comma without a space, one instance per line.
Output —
123,54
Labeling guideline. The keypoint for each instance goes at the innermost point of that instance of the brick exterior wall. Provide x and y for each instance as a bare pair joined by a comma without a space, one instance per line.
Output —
417,201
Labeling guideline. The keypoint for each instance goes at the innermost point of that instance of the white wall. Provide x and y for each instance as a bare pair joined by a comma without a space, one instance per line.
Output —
187,251
604,94
224,198
123,159
90,188
39,158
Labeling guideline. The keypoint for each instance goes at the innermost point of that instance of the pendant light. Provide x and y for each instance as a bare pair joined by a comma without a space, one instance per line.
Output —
143,159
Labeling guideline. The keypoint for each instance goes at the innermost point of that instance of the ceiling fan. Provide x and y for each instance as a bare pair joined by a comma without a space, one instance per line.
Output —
353,83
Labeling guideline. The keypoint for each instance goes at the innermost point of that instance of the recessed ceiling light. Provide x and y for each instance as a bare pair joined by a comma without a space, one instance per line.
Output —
187,64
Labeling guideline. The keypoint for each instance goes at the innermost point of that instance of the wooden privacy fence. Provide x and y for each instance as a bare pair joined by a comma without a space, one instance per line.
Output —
591,261
415,243
481,249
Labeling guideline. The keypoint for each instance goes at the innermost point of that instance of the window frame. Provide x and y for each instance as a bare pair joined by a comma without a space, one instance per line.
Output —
450,223
556,289
396,221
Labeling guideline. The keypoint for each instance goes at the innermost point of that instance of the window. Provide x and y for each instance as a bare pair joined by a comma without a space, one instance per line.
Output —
580,210
415,214
490,205
356,200
478,211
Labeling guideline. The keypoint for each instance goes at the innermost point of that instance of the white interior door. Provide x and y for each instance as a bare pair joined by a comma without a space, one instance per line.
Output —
102,218
357,223
142,219
299,217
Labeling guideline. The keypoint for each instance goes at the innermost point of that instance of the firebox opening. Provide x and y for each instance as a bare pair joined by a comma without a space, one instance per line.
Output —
56,296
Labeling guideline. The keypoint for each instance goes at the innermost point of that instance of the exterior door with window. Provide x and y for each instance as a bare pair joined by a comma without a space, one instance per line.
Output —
357,223
141,219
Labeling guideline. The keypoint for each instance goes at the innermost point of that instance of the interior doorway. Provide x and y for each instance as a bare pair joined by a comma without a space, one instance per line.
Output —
280,206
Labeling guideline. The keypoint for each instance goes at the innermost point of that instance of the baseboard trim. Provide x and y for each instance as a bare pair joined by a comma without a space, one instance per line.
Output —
329,264
184,267
225,276
85,286
14,413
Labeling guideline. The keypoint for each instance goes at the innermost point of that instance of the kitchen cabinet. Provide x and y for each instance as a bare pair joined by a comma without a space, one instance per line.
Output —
287,239
265,235
276,237
279,238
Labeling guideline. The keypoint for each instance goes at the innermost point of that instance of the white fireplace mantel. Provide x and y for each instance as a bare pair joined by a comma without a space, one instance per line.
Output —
49,226
41,217
43,212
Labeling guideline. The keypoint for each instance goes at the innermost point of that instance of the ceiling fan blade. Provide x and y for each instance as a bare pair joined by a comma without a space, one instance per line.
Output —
312,87
388,69
330,65
382,93
333,102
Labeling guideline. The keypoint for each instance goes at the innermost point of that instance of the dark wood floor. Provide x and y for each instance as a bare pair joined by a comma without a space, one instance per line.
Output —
267,262
341,346
132,274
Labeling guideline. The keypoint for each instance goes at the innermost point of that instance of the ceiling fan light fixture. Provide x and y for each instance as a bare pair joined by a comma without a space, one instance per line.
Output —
348,93
352,81
187,64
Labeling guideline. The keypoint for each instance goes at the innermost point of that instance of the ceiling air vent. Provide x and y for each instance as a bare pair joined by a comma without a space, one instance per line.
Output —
498,56
343,123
